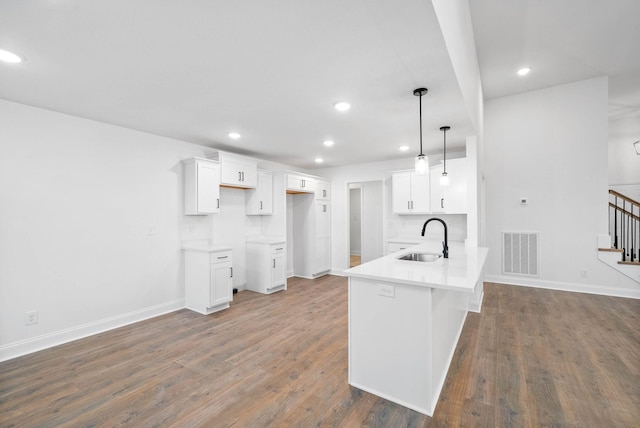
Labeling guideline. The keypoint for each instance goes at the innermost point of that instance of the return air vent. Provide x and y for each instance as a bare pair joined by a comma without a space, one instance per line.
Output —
520,253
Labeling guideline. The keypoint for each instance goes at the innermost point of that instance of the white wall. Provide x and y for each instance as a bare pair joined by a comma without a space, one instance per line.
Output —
550,146
77,198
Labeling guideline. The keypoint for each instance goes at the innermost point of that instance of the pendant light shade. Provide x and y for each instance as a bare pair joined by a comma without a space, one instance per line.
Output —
444,179
422,162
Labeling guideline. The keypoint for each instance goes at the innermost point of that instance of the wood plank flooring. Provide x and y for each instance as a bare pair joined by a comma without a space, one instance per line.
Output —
354,260
532,358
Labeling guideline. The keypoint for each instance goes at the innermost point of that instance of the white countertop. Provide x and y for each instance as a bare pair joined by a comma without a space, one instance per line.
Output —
459,272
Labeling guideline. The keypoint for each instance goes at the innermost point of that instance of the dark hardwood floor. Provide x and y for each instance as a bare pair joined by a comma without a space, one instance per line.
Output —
533,357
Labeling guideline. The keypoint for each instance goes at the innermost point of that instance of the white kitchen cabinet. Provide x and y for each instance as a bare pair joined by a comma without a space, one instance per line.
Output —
267,264
322,257
323,190
451,199
236,170
298,183
259,201
208,278
409,192
201,186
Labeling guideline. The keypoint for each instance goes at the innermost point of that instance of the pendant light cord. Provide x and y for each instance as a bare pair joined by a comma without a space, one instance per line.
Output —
421,125
445,129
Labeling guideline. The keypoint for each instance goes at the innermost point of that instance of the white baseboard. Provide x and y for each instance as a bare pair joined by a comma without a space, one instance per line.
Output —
34,344
565,286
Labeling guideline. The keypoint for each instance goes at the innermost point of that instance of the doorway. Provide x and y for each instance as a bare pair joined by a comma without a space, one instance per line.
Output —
365,222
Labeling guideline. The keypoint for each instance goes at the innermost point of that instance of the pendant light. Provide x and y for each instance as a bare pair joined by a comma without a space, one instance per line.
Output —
444,179
422,162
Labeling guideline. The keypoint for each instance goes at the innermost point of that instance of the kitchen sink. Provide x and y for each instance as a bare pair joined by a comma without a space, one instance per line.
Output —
420,257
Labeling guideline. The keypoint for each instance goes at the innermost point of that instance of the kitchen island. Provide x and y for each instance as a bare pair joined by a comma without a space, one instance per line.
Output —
405,318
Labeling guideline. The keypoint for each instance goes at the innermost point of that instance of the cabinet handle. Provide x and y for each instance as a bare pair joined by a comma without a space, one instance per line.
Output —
242,175
231,272
324,208
222,257
274,263
408,205
218,202
324,193
278,249
260,205
441,202
411,204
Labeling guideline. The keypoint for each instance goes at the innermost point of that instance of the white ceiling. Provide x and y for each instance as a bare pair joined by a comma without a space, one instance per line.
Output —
271,70
562,41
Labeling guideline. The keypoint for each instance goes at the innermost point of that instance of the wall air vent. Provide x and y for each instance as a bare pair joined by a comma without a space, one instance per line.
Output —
520,253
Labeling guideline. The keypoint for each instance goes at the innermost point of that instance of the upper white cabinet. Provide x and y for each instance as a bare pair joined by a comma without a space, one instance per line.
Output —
201,186
299,183
323,190
451,199
410,192
236,170
260,200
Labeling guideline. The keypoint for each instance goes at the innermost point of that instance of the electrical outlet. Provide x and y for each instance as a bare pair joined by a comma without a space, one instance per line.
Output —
30,317
584,273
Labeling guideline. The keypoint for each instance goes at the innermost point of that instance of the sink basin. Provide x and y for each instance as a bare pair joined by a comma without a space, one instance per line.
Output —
420,257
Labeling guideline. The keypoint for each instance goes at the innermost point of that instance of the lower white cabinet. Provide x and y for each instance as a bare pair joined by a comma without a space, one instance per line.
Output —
208,279
266,266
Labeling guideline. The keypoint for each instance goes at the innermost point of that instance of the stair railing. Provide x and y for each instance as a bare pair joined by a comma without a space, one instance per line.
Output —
624,224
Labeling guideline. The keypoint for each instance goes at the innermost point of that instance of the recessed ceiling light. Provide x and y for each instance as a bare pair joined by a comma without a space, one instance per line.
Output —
328,143
319,160
342,106
403,148
10,57
234,135
524,71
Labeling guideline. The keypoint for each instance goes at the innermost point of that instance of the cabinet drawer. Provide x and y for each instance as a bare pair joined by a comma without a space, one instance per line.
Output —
221,256
278,249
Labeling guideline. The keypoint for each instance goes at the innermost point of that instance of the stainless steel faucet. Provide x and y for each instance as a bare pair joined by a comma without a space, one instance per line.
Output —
445,243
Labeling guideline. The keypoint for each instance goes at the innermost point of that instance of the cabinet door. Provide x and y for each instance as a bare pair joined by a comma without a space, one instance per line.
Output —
323,190
456,193
265,187
419,193
259,201
323,237
451,199
401,192
238,173
221,283
436,190
278,270
208,190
